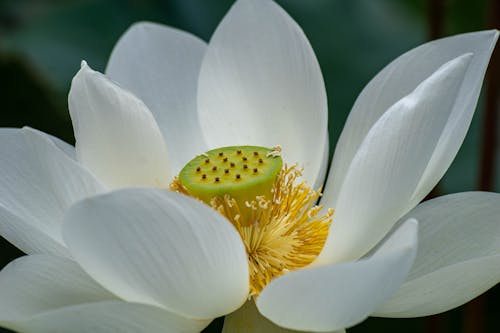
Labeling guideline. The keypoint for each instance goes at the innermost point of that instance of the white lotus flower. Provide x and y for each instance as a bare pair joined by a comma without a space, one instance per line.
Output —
108,254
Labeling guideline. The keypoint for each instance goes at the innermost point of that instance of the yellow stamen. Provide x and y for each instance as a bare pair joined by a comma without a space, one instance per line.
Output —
280,234
282,231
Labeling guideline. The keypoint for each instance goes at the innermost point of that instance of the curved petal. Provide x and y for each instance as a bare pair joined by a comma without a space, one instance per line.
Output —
247,319
38,182
65,147
109,317
161,66
160,248
397,80
29,237
458,255
260,84
116,135
338,296
42,293
383,175
39,283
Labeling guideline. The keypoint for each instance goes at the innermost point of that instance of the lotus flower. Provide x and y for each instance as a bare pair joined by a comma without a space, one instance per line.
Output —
112,249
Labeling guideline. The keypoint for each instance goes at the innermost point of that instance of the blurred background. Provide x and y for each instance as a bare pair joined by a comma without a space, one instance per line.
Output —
42,43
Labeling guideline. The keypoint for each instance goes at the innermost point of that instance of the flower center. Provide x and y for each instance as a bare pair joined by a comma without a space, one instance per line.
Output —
275,215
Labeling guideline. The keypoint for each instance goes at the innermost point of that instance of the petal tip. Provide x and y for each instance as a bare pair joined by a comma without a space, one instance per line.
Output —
141,25
85,69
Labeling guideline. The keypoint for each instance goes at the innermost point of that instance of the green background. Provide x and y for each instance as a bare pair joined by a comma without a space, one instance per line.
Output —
43,42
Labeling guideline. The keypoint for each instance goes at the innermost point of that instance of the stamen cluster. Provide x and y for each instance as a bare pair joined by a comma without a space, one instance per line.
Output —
281,233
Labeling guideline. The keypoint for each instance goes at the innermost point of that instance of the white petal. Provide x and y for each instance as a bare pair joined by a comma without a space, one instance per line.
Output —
338,296
260,84
42,293
29,237
320,181
458,255
109,317
388,165
247,319
160,248
116,135
161,66
65,147
38,182
397,80
35,284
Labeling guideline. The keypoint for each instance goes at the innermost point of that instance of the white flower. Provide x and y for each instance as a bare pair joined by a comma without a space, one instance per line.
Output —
108,256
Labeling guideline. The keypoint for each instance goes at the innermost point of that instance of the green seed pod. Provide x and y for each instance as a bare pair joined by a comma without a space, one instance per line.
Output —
243,172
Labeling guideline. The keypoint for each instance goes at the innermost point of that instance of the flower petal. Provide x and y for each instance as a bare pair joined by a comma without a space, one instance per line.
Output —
42,293
338,296
38,182
161,66
397,80
29,237
387,167
116,135
65,147
458,255
260,84
109,317
39,283
247,319
160,248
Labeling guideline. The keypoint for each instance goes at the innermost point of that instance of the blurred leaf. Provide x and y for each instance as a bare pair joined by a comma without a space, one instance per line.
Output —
69,32
27,99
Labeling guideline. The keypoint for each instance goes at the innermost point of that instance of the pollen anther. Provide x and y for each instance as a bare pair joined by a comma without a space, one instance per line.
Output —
281,233
275,151
274,212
